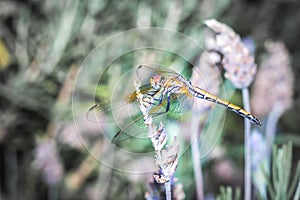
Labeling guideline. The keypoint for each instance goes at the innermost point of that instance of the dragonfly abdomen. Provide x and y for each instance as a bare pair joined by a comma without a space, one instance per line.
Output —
244,113
202,94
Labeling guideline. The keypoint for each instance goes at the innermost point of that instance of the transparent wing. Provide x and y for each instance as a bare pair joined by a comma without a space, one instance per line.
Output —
137,129
136,126
117,111
112,112
145,72
132,130
180,103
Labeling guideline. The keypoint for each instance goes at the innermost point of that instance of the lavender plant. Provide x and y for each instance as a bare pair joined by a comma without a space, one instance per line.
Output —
278,99
270,105
279,186
227,194
240,69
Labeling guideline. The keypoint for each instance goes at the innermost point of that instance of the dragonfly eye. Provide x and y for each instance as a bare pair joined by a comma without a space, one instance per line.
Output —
156,81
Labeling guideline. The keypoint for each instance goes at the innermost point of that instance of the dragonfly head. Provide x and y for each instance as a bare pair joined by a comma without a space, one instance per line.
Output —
157,81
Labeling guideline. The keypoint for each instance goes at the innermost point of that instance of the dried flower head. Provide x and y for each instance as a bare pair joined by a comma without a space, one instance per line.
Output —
273,87
158,137
236,58
167,161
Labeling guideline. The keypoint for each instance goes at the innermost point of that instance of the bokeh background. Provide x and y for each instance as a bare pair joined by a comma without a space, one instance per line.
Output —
43,44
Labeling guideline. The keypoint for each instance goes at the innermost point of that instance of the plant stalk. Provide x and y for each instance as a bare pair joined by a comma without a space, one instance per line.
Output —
168,190
196,158
247,131
271,124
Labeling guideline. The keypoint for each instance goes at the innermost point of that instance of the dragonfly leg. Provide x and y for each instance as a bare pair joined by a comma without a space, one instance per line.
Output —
168,102
167,106
162,96
170,91
159,100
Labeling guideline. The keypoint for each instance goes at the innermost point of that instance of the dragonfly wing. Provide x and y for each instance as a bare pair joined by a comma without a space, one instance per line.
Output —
130,131
137,127
112,112
181,103
145,72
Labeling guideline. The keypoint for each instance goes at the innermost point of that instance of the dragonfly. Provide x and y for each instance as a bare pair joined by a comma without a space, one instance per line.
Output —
164,91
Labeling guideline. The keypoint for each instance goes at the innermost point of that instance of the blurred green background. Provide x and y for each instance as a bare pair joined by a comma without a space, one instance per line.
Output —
42,45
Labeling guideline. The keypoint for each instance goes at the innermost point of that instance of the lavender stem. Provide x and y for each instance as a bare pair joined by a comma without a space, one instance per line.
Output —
196,159
247,130
168,190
